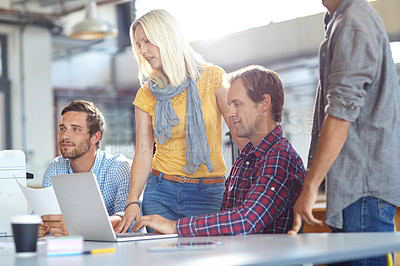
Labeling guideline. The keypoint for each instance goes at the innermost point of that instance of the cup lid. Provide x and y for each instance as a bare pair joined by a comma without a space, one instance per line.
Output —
26,219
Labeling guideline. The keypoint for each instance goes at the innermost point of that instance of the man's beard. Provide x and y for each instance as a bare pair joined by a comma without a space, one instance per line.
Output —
76,151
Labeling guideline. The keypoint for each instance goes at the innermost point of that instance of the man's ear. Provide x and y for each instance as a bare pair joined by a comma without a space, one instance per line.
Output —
95,137
266,104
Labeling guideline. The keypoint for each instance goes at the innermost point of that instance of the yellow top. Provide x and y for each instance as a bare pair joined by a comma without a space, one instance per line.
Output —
170,157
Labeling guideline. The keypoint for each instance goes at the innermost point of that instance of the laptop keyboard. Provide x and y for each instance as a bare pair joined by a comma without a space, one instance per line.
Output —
131,234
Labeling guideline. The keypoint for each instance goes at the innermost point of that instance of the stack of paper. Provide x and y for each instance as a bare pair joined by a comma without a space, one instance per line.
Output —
68,245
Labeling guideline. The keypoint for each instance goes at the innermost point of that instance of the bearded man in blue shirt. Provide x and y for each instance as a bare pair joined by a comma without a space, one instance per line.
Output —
81,129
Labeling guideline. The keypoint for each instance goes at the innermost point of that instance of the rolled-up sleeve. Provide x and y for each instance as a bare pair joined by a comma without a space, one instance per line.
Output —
351,72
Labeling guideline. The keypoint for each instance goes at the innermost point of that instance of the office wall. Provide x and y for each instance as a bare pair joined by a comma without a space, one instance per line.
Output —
39,114
29,68
389,12
83,71
126,70
96,69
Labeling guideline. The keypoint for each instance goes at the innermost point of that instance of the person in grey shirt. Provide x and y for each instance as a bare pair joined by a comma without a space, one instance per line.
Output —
355,140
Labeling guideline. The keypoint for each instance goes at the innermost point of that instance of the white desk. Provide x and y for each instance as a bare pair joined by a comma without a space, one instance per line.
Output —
235,250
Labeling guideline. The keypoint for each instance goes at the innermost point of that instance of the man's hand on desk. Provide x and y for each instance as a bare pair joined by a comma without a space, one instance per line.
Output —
132,213
53,224
302,210
158,223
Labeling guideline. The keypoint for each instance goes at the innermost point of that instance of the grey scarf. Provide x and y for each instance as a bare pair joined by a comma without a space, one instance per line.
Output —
197,148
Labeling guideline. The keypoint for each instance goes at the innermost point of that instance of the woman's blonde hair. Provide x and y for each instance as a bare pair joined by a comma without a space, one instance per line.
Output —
178,59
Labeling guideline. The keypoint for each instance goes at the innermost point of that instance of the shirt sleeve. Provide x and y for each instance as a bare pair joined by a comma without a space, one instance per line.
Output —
264,203
216,78
122,176
351,71
46,182
145,100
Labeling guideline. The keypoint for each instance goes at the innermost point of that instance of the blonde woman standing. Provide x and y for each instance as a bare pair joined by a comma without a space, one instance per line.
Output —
180,106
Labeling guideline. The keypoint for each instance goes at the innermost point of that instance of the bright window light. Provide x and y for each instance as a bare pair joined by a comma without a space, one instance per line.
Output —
395,51
207,19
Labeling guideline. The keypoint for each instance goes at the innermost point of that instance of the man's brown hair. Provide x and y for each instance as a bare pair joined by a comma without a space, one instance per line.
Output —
258,81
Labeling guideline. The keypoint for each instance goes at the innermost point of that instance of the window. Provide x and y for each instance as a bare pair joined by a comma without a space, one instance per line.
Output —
5,107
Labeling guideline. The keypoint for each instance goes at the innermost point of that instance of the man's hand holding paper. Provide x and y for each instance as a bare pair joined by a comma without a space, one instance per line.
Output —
54,224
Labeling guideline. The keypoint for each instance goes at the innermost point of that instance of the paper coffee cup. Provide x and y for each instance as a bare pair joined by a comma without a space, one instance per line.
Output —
25,230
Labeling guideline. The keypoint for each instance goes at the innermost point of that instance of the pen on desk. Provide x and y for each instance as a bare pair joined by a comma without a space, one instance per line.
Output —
98,251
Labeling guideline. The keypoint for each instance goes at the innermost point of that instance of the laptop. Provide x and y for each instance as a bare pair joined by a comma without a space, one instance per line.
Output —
85,213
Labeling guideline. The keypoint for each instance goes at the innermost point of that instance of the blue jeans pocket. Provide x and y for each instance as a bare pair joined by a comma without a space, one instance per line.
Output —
213,192
386,210
151,183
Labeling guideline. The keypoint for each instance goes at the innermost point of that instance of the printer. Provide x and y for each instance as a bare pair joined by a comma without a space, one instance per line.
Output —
12,200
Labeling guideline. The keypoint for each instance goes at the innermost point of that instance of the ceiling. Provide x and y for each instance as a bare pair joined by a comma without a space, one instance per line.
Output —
51,14
54,8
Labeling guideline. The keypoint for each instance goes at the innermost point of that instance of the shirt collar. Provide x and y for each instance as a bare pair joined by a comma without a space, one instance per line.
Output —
328,19
265,144
96,164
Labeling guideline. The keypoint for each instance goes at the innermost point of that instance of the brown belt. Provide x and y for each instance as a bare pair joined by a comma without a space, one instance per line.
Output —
182,179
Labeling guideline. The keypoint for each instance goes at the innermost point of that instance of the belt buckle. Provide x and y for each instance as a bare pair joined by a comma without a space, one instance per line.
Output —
184,179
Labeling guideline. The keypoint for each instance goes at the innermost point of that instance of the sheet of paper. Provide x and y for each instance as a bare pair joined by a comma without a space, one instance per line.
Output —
41,200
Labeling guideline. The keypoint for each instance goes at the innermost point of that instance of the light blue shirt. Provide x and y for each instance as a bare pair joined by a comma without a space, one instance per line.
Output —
113,176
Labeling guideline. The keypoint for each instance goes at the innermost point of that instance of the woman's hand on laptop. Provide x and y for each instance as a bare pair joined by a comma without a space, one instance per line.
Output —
115,220
132,213
55,224
158,223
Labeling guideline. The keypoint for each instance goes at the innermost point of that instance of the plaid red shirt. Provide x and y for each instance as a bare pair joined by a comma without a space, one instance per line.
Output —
260,191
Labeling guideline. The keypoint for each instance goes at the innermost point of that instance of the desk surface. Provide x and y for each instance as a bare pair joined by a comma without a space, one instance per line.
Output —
235,250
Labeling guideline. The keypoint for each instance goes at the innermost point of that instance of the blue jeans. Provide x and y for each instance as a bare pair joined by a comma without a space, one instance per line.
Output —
177,200
367,214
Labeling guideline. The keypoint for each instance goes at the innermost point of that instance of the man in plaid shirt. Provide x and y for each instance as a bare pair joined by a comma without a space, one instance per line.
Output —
267,177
